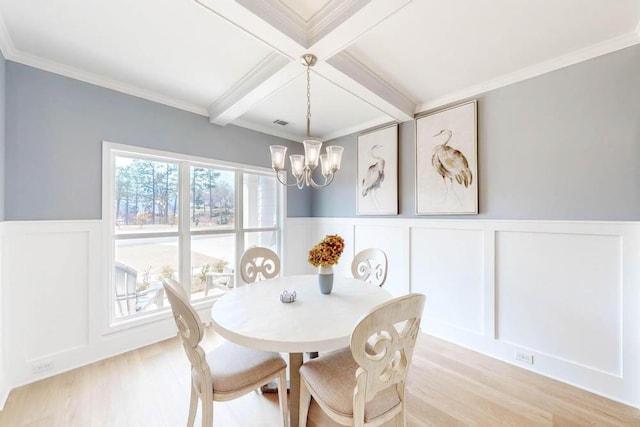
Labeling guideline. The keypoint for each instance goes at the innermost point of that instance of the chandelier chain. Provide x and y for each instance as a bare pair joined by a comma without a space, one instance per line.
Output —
308,101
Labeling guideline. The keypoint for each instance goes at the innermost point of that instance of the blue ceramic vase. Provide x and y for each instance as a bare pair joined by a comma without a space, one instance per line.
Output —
325,279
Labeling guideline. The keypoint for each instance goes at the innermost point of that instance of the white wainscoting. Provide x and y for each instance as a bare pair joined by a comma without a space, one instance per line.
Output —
4,384
567,293
53,288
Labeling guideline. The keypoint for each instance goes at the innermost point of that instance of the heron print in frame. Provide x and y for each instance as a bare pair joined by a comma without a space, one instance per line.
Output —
447,161
378,172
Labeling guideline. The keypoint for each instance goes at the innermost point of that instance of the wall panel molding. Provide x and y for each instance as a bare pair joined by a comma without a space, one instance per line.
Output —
602,256
4,384
52,284
566,292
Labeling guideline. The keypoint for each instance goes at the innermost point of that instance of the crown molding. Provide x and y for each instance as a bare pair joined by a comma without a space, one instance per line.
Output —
268,130
278,15
358,129
6,43
220,111
331,16
96,79
253,25
255,86
573,58
305,33
300,137
388,99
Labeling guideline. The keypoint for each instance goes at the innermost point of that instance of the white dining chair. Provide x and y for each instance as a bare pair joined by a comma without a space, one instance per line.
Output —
364,384
370,265
259,263
226,372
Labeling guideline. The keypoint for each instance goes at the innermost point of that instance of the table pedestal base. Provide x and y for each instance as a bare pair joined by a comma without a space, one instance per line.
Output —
295,361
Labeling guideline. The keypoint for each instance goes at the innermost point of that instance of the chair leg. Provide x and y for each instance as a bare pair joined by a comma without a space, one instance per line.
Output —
282,397
193,407
305,401
207,413
401,418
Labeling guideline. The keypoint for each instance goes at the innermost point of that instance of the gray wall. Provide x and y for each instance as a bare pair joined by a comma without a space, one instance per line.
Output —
54,133
561,146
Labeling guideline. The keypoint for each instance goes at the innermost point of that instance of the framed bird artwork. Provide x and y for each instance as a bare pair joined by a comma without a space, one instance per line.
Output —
378,171
447,161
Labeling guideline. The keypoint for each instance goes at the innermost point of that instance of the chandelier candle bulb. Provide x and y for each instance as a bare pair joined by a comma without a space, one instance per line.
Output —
277,156
326,165
335,157
297,165
312,152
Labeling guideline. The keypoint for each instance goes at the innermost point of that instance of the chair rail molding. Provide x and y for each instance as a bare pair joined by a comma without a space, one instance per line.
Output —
560,298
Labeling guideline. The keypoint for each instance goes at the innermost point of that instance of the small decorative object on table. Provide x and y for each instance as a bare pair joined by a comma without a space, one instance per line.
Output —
287,296
324,255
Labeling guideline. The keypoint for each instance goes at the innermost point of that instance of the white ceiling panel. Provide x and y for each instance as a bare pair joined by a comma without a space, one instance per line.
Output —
290,104
379,61
175,48
444,47
305,9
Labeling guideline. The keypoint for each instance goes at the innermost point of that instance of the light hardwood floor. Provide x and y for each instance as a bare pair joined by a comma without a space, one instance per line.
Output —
448,386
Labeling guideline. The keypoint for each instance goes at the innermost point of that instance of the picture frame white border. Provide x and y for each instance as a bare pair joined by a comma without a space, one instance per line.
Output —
387,135
421,165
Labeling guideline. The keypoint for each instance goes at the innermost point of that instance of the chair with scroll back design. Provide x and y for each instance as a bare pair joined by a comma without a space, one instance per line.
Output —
370,265
364,384
226,372
259,263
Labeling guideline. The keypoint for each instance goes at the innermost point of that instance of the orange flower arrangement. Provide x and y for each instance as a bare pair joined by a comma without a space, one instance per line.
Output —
327,251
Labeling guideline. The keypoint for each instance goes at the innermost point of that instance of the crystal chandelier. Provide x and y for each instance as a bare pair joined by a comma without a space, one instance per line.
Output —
302,166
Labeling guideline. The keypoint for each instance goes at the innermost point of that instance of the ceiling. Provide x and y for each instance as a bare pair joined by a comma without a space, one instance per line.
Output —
379,61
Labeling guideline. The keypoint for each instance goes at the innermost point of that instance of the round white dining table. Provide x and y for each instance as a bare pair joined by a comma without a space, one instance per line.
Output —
254,316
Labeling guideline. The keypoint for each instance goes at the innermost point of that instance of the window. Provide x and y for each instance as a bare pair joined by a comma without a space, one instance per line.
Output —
181,217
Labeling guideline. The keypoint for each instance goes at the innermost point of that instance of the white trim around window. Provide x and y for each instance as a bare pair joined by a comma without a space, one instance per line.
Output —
184,231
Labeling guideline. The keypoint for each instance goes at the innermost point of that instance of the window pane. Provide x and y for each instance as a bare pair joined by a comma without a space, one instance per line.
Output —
141,264
212,264
212,199
260,204
267,239
145,196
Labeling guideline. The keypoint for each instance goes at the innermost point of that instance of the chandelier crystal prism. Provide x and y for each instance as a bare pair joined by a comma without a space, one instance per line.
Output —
302,166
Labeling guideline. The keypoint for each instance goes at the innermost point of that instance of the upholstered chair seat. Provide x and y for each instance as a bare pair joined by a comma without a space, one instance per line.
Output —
364,384
332,379
226,372
231,362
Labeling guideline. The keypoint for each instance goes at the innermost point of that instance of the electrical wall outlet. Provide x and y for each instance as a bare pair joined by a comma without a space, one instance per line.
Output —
37,368
523,357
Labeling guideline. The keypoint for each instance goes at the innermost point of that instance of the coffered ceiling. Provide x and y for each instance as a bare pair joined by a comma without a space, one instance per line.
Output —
379,61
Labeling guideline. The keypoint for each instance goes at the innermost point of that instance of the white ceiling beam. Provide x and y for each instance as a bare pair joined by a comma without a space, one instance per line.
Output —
347,72
356,26
254,95
268,76
245,20
270,22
